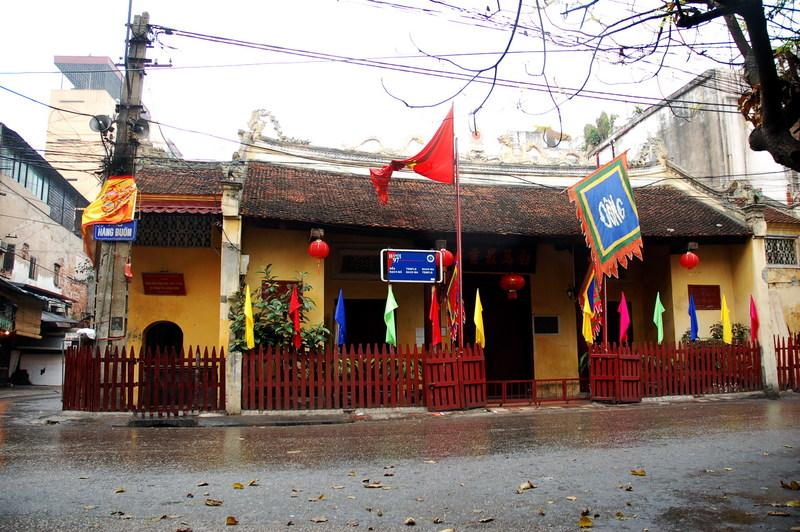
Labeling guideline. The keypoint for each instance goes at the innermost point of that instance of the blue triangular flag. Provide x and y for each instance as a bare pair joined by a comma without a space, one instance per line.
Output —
692,319
340,319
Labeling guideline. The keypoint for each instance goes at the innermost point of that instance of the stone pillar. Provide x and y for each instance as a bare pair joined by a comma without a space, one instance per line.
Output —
754,215
230,255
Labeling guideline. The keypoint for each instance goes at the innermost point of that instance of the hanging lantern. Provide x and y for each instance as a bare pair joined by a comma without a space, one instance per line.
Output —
128,271
512,283
448,259
318,249
689,260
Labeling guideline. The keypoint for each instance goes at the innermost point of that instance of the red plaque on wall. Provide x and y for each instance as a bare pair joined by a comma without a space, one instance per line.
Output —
163,284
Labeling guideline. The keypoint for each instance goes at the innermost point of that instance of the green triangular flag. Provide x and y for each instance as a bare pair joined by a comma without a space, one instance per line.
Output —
388,318
658,319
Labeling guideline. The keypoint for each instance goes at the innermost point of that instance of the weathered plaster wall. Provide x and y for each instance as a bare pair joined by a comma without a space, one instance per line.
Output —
196,313
719,265
555,356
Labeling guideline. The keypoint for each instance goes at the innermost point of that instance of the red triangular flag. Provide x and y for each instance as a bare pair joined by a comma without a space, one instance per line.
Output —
294,315
753,321
433,315
624,319
436,161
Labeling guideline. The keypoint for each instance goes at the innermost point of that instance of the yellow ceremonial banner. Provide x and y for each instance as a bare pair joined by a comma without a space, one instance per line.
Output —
249,322
115,204
725,316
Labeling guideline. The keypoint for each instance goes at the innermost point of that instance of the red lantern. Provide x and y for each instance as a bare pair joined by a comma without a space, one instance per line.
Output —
318,249
689,260
448,259
512,283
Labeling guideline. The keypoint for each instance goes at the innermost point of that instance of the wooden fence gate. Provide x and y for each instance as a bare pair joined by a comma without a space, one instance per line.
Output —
615,376
787,353
455,379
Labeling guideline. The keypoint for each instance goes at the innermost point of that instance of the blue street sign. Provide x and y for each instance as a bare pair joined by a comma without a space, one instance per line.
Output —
411,266
116,232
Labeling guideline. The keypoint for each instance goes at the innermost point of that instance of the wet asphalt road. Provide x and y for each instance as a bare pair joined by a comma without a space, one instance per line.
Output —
711,465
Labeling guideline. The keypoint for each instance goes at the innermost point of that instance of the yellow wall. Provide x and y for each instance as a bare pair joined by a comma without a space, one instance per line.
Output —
723,265
196,313
784,283
287,251
555,356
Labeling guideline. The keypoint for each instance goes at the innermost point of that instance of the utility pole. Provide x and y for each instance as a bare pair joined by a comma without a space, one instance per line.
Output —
111,301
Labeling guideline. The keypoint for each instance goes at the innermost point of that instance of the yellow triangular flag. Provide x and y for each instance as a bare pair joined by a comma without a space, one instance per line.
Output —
727,330
587,323
249,323
480,335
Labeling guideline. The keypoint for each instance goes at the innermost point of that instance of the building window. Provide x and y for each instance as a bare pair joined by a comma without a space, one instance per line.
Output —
706,296
8,258
545,324
781,251
32,270
56,275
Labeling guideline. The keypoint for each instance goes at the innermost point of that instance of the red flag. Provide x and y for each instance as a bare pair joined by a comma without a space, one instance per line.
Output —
294,315
753,321
436,161
433,315
624,319
454,306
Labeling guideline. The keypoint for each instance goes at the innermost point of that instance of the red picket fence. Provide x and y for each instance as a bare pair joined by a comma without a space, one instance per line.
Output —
276,378
455,379
629,372
156,382
535,391
699,369
787,353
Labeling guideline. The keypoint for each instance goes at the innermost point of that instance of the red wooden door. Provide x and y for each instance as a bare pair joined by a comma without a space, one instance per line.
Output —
615,376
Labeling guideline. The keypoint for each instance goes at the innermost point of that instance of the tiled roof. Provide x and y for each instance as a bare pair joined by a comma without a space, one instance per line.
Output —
180,177
309,196
776,216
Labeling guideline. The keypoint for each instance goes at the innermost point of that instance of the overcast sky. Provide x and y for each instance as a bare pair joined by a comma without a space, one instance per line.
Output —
213,87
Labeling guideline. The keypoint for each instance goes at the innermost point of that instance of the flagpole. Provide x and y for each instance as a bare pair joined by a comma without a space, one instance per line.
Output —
459,262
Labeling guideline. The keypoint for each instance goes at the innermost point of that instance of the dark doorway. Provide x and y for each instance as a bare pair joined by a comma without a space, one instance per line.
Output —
507,325
365,321
164,335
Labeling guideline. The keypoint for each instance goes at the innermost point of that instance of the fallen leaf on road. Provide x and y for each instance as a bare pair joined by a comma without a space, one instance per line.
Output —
190,495
351,473
213,502
321,497
540,511
728,469
388,474
119,490
710,471
351,497
621,516
293,452
386,487
787,445
352,523
200,484
585,522
373,485
437,520
183,529
89,507
429,462
778,514
793,485
638,472
525,486
409,521
379,512
765,453
319,519
586,511
290,523
448,530
572,498
337,487
793,504
238,486
486,520
231,520
419,499
83,478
